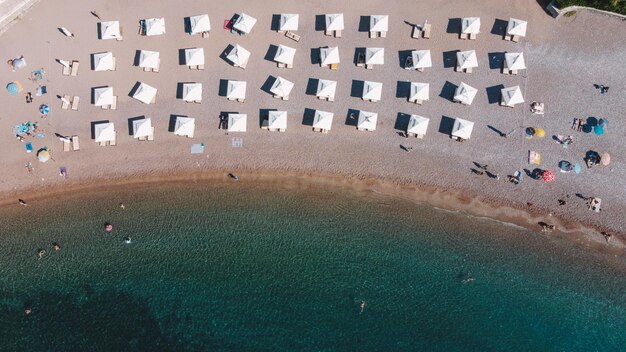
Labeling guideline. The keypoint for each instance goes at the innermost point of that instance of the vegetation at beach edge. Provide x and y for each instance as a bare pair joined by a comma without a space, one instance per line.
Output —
617,6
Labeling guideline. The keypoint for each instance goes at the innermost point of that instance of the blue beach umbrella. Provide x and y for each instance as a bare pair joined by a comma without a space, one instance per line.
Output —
598,130
44,109
13,88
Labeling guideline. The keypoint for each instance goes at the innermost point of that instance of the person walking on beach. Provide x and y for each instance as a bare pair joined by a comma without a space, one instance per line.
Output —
95,14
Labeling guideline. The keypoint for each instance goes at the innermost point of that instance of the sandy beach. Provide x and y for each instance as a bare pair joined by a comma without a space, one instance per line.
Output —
565,58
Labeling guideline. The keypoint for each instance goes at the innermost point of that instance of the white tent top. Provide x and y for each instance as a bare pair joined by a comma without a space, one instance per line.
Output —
421,58
372,90
516,27
462,128
323,120
467,59
277,120
185,126
200,23
192,92
512,96
329,55
470,25
419,91
285,54
417,124
375,56
281,87
104,132
244,23
238,55
288,22
142,128
110,30
379,23
194,56
515,61
465,94
103,61
367,120
236,90
149,59
103,96
145,93
155,26
326,88
334,22
237,122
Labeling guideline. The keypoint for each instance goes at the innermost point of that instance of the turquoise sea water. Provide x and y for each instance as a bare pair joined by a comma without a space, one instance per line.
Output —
243,267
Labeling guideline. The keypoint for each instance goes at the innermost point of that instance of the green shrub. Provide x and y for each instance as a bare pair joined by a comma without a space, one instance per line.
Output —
617,6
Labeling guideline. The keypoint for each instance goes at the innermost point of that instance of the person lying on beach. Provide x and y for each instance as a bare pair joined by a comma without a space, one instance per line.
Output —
22,202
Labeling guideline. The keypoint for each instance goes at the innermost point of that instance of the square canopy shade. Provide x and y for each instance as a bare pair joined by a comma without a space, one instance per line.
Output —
367,120
192,92
329,55
372,90
104,132
379,23
244,23
516,27
281,87
103,61
238,56
515,61
142,128
462,128
419,91
194,56
470,25
417,125
145,93
288,22
421,59
285,54
334,22
185,126
467,59
323,120
277,120
110,30
155,26
103,96
236,90
326,88
374,56
512,96
149,59
465,94
237,122
200,24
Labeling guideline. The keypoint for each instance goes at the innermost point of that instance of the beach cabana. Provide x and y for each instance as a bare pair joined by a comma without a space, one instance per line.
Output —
288,22
470,27
185,126
244,23
194,58
322,121
105,133
420,59
192,92
237,122
103,61
142,129
462,129
374,56
515,29
513,62
367,121
465,94
379,25
149,60
466,61
154,26
284,56
419,92
326,89
417,126
236,90
281,88
334,24
200,24
238,56
277,121
145,93
103,96
372,91
110,30
329,56
511,96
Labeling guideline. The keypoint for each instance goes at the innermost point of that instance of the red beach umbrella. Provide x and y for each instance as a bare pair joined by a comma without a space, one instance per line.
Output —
548,175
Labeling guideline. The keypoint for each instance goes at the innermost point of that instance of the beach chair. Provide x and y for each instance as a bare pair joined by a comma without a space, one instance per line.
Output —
285,97
337,34
468,70
66,70
513,72
75,143
114,140
415,34
65,102
289,66
156,69
114,103
417,101
66,146
534,157
243,65
292,36
383,34
193,67
463,36
420,69
240,100
472,36
327,32
200,67
360,59
507,37
153,101
515,38
147,69
373,34
331,99
74,71
205,34
151,135
426,31
75,102
334,66
121,37
113,68
505,68
280,65
369,66
458,69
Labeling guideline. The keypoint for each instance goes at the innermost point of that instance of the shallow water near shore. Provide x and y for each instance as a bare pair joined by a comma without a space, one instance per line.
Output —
241,266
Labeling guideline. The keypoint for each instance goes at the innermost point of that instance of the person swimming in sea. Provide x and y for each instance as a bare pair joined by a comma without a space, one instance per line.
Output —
362,306
127,240
56,246
468,279
41,253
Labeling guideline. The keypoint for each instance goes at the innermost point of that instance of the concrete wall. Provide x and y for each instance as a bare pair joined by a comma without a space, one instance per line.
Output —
13,10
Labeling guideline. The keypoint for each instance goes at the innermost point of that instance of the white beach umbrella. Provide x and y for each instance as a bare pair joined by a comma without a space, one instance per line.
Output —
372,90
419,91
194,56
155,26
470,25
421,59
417,125
145,93
104,132
185,126
462,128
277,120
329,55
244,23
281,87
236,90
192,92
465,94
367,120
374,56
142,128
512,96
379,23
103,96
323,120
326,88
288,22
200,23
516,27
238,56
467,59
110,30
515,61
237,122
334,22
285,54
149,59
103,61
